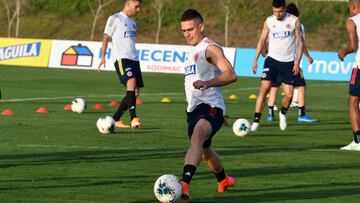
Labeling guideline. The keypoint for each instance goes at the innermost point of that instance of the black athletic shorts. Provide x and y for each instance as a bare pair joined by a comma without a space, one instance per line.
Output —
299,80
127,69
212,114
277,71
354,84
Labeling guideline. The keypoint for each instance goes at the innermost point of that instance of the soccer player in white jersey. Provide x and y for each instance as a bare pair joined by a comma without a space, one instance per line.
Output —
299,82
206,69
282,64
121,29
353,31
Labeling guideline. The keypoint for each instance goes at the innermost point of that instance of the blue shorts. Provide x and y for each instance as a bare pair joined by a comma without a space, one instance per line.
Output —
127,69
277,71
212,114
354,84
299,80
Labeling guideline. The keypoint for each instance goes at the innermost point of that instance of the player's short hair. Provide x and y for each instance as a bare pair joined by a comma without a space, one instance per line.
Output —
355,2
292,9
278,3
192,14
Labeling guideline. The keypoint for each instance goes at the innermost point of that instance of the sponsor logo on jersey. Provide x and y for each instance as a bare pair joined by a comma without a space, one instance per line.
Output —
281,34
20,51
190,70
128,34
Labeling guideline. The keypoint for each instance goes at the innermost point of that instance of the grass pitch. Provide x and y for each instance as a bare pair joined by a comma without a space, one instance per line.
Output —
61,157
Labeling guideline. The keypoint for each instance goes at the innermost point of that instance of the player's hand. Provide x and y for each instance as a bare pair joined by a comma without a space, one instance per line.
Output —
296,69
199,84
341,54
310,60
102,62
254,67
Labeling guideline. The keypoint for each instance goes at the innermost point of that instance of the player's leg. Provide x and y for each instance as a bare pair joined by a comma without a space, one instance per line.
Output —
259,106
288,90
302,116
136,84
354,114
214,163
271,101
124,102
301,93
201,132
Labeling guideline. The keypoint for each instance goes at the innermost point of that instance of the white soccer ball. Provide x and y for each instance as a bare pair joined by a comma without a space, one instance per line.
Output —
241,127
167,188
105,125
78,105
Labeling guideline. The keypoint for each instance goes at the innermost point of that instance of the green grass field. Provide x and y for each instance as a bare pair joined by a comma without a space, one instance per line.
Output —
61,157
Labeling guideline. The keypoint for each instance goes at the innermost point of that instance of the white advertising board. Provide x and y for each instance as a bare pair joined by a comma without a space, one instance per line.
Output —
152,57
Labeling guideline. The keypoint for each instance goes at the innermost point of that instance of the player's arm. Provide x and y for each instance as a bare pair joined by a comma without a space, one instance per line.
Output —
306,53
352,40
299,46
261,43
106,39
215,56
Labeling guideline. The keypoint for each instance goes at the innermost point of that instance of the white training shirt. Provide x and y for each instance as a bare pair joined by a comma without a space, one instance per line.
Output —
356,20
282,46
122,30
198,68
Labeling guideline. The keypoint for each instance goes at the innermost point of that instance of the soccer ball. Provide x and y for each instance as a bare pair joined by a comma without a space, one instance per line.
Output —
241,127
78,105
105,124
167,188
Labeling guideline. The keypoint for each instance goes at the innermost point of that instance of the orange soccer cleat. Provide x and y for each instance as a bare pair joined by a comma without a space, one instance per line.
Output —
135,123
185,190
121,124
224,184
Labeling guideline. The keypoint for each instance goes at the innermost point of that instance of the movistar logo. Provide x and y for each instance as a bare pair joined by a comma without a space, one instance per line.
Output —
19,51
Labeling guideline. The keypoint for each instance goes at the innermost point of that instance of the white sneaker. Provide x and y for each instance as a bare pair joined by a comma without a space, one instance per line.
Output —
353,146
282,123
254,126
294,105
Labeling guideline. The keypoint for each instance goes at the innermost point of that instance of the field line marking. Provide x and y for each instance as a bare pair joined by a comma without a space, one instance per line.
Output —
145,94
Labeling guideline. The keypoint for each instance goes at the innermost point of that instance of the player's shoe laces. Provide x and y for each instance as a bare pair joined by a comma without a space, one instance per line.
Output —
353,146
135,123
282,123
254,126
121,124
306,118
185,190
227,182
270,117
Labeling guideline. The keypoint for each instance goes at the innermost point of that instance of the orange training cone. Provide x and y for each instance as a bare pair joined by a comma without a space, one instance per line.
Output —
7,112
138,101
67,107
42,110
114,103
98,106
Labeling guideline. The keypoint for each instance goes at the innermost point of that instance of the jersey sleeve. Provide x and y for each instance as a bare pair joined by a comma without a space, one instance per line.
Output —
110,26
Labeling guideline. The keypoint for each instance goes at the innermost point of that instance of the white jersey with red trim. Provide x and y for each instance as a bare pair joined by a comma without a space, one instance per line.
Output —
282,46
198,68
122,30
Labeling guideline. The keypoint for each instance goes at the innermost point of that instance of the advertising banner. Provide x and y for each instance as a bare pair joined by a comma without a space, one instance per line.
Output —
326,65
152,57
24,52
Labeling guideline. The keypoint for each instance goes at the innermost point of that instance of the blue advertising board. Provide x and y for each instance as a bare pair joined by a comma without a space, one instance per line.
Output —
326,65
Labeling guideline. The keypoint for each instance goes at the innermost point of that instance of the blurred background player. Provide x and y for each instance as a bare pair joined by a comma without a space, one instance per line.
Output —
206,69
121,29
299,93
353,32
282,64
